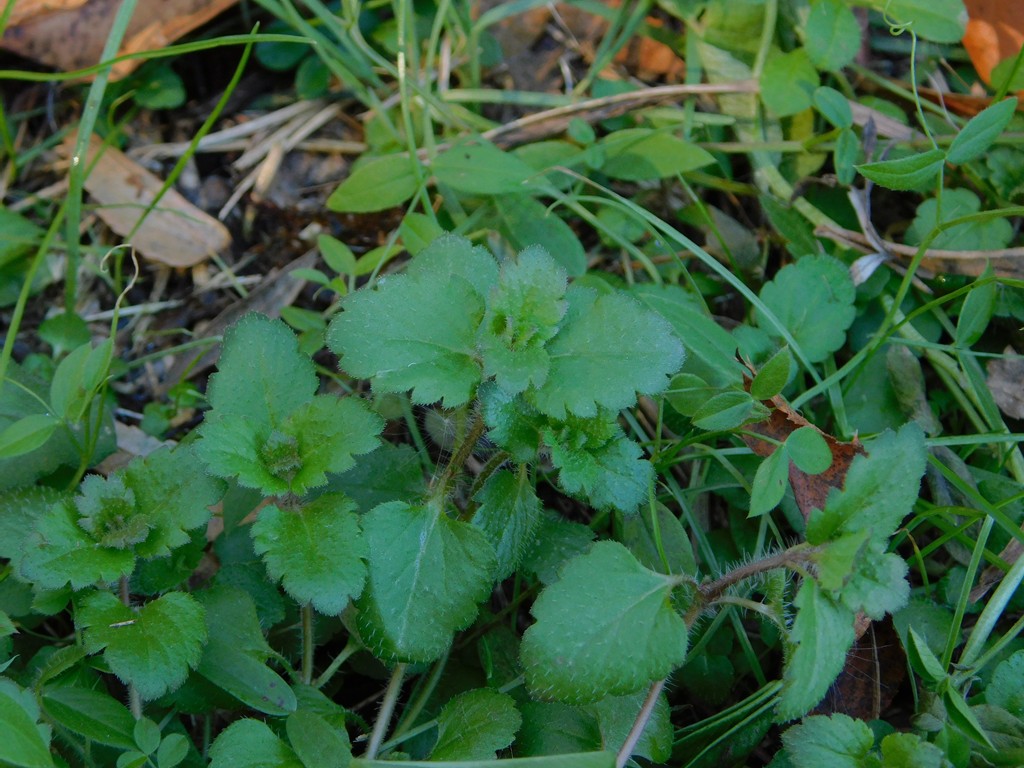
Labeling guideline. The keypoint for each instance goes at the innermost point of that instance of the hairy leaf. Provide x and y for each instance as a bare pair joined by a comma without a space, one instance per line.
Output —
317,742
608,349
413,332
612,475
96,715
61,551
616,716
822,634
474,725
261,375
152,648
251,744
523,313
606,627
879,490
328,432
509,515
837,741
427,573
317,552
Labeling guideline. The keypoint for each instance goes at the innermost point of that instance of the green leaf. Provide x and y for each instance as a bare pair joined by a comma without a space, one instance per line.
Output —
923,659
836,741
375,184
878,584
147,735
818,321
328,432
728,410
415,331
418,231
608,349
788,81
76,379
657,539
525,221
972,235
316,551
509,515
606,627
641,154
981,132
845,156
173,494
832,104
336,254
913,172
908,750
27,434
941,21
172,750
235,655
879,491
251,744
22,744
575,760
551,728
455,256
838,561
710,349
773,376
977,311
1006,688
523,313
390,473
427,574
822,634
610,476
558,541
93,714
809,450
61,551
460,168
960,714
261,375
152,648
832,35
770,482
476,724
18,236
317,743
616,716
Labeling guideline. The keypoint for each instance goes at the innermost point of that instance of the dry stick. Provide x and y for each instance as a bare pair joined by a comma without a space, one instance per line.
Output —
554,120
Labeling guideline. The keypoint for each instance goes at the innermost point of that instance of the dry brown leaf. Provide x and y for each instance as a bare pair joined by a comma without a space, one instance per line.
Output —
995,31
1005,375
810,491
175,233
70,34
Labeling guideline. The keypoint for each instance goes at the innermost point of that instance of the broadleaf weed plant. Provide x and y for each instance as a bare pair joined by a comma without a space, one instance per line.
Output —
545,508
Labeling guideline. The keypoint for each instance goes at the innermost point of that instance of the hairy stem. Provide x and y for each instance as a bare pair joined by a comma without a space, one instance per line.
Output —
642,717
387,707
795,557
459,457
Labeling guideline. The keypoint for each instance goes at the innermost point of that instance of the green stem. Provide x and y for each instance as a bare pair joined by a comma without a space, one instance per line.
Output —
422,697
350,648
387,707
793,557
307,644
493,465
